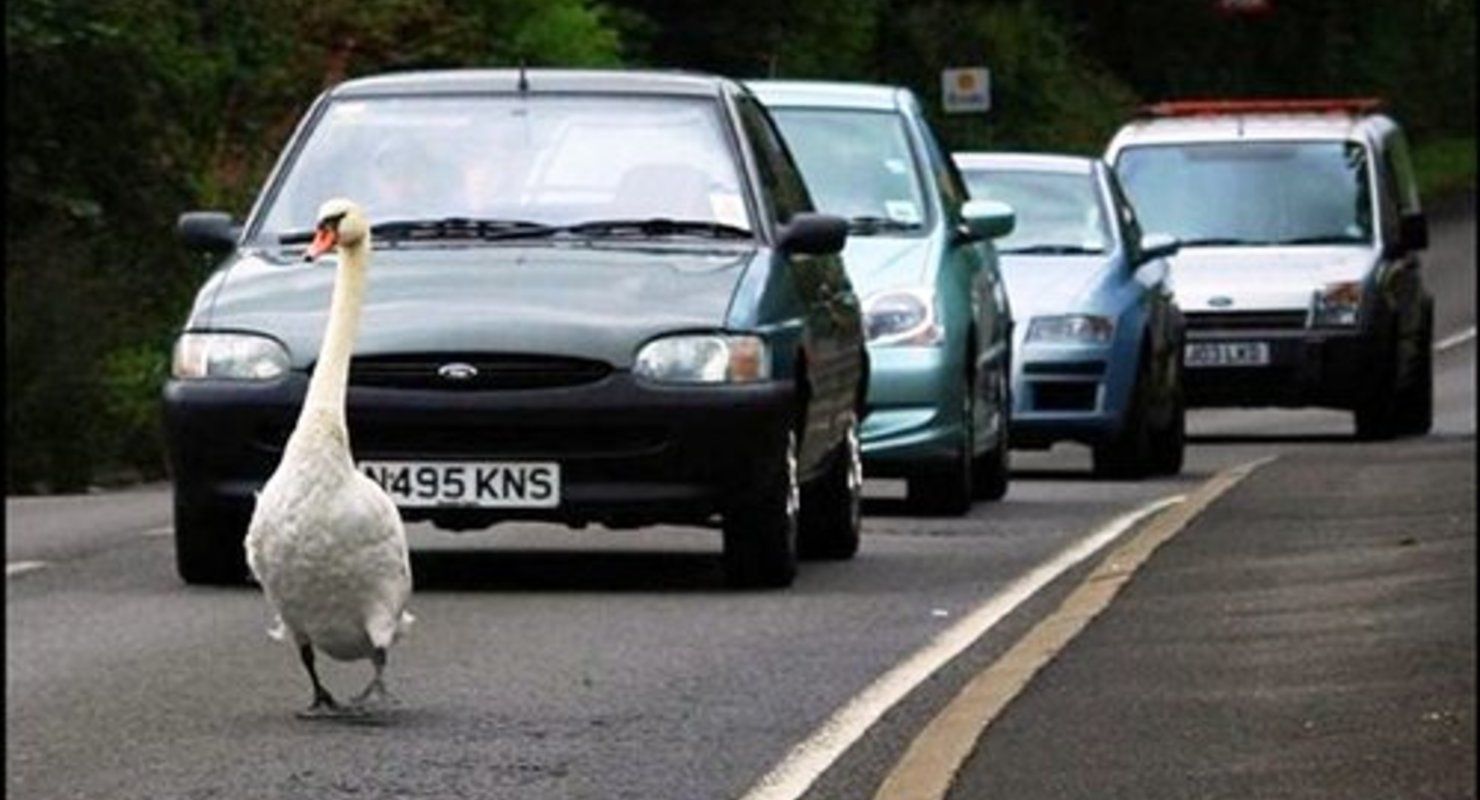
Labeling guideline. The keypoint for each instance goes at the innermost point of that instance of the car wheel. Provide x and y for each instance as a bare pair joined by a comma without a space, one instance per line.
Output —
1128,455
760,524
209,545
1378,413
1417,405
993,467
946,490
832,506
1171,440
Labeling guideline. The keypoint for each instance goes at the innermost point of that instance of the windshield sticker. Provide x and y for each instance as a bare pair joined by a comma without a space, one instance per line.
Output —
896,166
728,208
902,211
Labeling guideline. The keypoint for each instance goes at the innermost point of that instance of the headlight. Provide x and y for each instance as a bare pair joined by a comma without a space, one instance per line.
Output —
228,356
704,358
902,317
1336,303
1071,329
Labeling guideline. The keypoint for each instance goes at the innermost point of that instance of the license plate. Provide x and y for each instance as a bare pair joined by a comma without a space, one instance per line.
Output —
452,484
1226,354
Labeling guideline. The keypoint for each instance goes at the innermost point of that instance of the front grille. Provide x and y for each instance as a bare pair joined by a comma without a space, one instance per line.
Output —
1064,367
488,371
429,439
1244,320
1064,395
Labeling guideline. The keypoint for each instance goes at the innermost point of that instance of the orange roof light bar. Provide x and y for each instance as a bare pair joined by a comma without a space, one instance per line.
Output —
1324,105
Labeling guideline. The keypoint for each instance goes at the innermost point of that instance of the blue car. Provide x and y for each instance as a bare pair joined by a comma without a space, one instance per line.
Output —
920,256
1098,335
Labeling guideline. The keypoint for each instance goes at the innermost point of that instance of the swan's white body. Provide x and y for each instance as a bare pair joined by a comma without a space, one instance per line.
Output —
325,542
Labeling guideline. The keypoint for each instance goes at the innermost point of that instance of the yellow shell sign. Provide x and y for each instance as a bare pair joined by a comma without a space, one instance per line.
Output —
966,89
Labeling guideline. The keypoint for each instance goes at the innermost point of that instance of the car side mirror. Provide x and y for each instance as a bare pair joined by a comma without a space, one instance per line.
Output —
1159,245
988,219
1413,231
807,233
211,231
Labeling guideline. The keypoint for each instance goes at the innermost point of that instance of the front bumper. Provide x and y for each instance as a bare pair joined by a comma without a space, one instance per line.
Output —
1307,367
914,400
1068,393
630,452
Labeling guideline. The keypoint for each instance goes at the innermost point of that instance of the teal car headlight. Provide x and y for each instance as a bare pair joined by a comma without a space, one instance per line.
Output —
902,317
228,356
1070,329
1337,304
704,358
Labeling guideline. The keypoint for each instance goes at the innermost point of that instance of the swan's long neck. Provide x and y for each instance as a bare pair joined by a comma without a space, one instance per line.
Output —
327,388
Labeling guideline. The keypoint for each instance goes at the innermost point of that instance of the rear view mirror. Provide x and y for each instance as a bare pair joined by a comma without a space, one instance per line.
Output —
1159,245
1413,231
813,234
988,219
212,231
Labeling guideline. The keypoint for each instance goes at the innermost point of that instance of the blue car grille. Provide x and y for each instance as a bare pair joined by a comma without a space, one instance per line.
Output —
1095,367
482,371
1064,395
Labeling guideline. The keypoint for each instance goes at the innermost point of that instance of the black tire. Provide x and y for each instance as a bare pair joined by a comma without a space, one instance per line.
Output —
1416,407
209,545
761,522
1378,414
946,489
1170,444
1128,455
832,505
993,468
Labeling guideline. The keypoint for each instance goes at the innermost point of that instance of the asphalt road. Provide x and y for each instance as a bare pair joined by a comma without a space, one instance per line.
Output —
555,664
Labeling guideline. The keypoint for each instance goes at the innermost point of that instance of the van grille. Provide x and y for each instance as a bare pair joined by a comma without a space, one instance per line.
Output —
1244,320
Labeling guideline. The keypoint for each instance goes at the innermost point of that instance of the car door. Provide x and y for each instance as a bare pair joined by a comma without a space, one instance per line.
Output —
833,340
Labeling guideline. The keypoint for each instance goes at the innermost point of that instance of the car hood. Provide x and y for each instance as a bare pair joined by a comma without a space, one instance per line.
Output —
593,302
1047,284
876,263
1262,277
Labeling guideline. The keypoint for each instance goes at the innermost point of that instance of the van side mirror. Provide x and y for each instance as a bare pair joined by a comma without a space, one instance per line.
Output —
988,219
211,231
813,234
1413,231
1159,245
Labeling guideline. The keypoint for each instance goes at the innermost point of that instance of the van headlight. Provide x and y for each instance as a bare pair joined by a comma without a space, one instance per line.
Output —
902,317
704,358
228,356
1070,329
1336,304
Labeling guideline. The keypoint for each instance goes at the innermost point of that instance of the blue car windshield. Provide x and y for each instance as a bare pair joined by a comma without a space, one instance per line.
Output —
1056,212
1258,193
858,164
551,160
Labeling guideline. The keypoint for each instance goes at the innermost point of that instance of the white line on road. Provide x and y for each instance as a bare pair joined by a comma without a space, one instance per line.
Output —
17,567
791,778
164,531
1455,340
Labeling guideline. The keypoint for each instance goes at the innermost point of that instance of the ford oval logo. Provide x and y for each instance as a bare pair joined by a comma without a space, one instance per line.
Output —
457,371
1221,301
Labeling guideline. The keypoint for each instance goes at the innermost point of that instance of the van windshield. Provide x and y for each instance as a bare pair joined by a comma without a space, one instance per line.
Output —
1259,193
550,160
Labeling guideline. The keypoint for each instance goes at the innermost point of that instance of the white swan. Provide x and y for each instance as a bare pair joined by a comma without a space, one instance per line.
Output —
326,542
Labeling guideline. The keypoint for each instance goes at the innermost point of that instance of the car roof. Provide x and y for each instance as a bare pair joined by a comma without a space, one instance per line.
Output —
1264,126
1032,162
827,94
501,81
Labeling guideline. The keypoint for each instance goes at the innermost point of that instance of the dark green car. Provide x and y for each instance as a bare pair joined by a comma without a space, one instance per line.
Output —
920,254
595,297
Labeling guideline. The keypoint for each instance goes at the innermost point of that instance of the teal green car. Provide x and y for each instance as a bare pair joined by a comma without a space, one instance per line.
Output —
920,256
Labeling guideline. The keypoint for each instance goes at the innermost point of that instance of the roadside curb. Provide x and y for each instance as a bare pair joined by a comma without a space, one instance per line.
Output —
929,765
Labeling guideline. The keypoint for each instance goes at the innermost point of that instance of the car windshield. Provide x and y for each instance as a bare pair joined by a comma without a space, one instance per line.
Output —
857,165
1056,212
535,161
1251,192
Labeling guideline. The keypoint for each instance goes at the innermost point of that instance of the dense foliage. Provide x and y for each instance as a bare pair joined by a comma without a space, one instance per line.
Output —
120,115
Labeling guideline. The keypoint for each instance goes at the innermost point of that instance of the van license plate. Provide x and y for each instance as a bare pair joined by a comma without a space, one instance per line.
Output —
1226,354
461,484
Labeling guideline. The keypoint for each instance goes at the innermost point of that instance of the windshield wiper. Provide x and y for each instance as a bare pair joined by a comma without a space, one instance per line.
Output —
868,225
444,228
1052,249
1327,239
656,226
1214,241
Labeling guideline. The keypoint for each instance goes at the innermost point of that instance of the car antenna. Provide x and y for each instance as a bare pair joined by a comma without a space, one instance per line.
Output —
523,79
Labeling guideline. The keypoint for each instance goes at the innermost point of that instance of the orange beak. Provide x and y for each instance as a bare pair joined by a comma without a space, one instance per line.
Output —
324,240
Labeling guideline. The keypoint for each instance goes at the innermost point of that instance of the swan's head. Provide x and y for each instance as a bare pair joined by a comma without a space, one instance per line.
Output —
341,224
